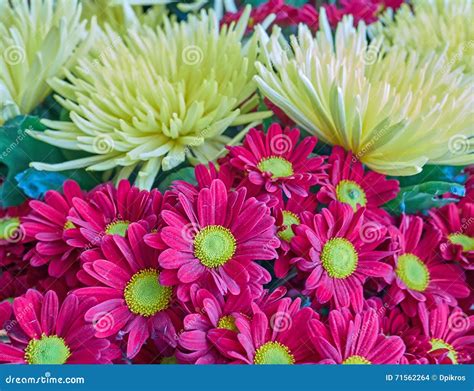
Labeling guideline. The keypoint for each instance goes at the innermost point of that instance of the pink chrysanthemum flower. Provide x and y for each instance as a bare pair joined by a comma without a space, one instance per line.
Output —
420,274
227,174
456,223
349,183
209,312
393,321
130,298
289,214
354,339
276,161
337,257
277,338
43,331
204,177
110,211
451,333
47,223
214,239
285,15
12,234
362,10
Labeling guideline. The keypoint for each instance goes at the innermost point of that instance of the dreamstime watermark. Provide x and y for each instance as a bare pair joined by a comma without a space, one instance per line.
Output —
104,53
14,55
281,144
371,55
371,232
465,224
189,231
10,325
368,147
13,145
103,322
12,232
103,144
281,321
45,379
458,321
458,144
460,53
192,55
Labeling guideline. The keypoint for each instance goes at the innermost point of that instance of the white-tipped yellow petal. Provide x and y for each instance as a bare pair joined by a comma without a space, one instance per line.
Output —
38,40
396,110
158,96
122,15
442,26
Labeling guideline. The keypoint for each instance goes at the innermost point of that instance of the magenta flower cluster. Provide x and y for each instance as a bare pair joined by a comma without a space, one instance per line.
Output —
276,256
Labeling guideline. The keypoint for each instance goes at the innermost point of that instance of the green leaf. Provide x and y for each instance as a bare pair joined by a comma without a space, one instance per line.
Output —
18,150
424,196
255,3
183,174
296,3
35,183
434,173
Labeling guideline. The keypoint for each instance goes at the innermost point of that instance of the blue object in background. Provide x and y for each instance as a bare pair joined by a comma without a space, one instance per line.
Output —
36,183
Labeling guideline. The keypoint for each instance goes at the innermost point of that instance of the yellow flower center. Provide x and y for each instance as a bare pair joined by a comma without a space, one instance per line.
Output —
289,219
47,350
214,245
144,295
349,192
169,360
466,242
118,227
277,166
413,272
356,360
339,258
227,322
437,343
68,225
273,353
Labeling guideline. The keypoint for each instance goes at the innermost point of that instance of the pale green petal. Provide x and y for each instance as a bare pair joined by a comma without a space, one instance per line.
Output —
152,97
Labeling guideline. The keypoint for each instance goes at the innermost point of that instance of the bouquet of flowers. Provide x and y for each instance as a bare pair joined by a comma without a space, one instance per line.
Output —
258,182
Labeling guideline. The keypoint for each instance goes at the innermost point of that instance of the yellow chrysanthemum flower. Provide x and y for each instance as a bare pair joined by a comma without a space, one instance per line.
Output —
442,26
38,39
219,6
158,96
123,14
394,110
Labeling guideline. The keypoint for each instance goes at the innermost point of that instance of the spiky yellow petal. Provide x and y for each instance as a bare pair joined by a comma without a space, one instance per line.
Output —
123,14
157,96
219,6
442,26
38,39
395,110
